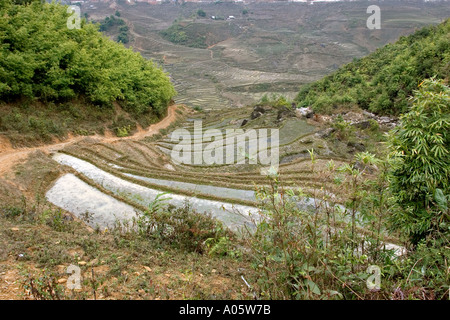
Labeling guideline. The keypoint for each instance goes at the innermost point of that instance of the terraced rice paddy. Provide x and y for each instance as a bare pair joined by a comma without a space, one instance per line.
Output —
128,175
233,216
246,195
76,196
274,49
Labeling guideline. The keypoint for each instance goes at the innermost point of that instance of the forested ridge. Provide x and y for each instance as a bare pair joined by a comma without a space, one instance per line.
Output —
382,81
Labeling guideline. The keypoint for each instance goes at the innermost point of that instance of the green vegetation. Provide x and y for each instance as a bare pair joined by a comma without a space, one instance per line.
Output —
180,227
175,34
198,34
275,101
123,35
323,254
401,199
41,58
201,13
28,124
421,164
382,81
110,22
178,35
408,199
331,253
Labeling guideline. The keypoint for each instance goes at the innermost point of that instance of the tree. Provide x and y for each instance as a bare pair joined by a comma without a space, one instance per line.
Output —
49,62
201,13
123,37
420,175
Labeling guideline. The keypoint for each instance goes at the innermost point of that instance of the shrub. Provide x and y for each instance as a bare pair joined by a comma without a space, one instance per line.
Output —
321,253
201,13
344,130
421,163
180,227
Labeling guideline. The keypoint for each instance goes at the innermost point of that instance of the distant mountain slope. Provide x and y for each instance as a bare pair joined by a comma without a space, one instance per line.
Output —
382,81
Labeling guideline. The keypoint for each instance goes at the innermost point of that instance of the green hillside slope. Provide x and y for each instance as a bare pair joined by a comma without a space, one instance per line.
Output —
382,81
44,62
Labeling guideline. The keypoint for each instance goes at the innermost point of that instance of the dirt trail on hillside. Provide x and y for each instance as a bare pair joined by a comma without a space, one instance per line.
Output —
10,156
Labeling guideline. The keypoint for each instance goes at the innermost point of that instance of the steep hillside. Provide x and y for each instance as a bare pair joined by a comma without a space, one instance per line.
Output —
382,81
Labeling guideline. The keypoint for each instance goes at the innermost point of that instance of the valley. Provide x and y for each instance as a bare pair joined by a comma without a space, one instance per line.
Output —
274,48
97,183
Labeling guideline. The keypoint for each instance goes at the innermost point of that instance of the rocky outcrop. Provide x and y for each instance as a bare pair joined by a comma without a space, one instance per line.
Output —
304,112
356,146
361,120
358,119
325,133
257,112
284,113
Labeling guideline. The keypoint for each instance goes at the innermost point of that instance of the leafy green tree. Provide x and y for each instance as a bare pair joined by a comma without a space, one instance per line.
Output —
420,176
201,13
123,37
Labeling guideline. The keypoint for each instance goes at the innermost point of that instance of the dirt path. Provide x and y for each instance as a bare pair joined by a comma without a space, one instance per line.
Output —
10,156
212,46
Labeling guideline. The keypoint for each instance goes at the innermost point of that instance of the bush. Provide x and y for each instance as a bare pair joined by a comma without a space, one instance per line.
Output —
275,101
123,37
421,164
322,253
201,13
344,130
175,34
181,227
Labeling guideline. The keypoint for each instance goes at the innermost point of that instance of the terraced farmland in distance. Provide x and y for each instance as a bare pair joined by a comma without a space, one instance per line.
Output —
273,48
